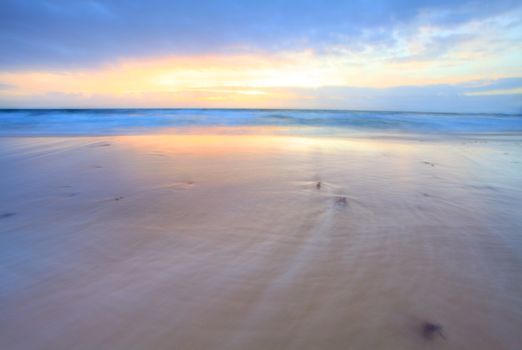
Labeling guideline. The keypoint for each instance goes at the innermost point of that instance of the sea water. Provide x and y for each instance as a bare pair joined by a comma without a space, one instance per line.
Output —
133,121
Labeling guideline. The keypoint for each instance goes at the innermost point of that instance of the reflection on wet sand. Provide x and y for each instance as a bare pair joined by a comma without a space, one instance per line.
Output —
205,240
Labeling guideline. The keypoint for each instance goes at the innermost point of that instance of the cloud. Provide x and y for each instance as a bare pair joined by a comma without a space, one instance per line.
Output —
62,33
438,55
282,80
452,98
5,86
514,91
445,98
486,85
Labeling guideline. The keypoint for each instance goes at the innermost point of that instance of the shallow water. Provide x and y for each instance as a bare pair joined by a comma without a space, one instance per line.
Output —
208,240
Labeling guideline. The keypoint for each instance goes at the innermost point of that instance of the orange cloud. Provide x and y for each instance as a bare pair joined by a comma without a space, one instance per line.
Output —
253,80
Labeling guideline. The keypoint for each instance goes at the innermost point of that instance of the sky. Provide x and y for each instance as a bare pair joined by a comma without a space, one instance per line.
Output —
415,55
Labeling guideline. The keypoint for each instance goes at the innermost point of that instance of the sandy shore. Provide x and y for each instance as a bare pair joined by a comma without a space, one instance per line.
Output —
228,242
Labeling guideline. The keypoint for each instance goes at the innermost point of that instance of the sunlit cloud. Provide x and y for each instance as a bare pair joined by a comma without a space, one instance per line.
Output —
427,45
515,91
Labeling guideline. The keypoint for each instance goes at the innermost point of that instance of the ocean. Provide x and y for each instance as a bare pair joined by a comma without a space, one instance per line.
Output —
135,121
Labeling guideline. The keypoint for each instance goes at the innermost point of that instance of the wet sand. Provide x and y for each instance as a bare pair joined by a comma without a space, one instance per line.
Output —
194,241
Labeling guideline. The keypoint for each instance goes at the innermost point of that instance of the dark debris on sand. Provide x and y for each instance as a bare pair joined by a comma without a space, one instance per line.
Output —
341,201
119,198
432,330
429,163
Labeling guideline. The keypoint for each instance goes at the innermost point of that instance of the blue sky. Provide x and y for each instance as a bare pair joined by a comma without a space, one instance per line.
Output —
463,56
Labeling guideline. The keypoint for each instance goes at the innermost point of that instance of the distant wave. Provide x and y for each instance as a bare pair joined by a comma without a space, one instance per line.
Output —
115,121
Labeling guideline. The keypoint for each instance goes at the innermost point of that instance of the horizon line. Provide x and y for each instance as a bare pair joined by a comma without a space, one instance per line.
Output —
253,109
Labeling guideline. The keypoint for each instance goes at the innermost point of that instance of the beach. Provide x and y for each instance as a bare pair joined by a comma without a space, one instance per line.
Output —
260,240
